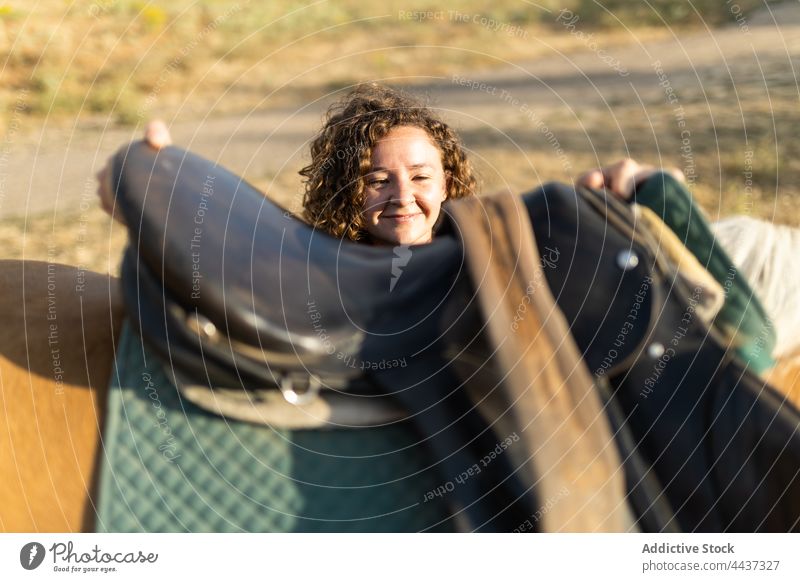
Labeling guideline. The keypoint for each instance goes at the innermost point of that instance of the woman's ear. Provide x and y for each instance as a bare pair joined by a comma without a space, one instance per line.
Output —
448,177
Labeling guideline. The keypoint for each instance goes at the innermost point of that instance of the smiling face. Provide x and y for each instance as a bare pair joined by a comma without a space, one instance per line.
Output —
404,189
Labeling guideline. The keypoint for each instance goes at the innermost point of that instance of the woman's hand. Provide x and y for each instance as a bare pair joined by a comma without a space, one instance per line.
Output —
156,135
623,177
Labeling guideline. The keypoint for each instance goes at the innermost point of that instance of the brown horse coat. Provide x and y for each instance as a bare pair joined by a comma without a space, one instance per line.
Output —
785,376
56,354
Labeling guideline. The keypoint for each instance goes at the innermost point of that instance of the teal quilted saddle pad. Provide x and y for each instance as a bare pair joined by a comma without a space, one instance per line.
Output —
169,466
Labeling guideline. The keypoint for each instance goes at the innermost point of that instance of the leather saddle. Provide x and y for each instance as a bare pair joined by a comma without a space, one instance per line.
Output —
237,296
234,292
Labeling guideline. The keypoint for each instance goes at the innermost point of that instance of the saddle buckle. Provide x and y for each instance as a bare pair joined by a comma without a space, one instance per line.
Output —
302,397
202,326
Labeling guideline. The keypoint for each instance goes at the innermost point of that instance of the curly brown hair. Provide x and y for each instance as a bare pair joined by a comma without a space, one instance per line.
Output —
341,156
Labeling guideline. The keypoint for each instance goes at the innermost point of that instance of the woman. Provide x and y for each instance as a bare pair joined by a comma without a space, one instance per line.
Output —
382,165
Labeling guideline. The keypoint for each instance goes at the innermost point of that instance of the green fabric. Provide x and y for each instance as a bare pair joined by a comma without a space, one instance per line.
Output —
169,466
742,316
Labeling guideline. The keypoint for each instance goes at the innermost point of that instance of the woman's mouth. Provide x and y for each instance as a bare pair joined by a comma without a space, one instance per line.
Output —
401,218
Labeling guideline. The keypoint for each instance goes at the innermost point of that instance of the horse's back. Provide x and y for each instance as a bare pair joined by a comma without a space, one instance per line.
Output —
56,354
785,376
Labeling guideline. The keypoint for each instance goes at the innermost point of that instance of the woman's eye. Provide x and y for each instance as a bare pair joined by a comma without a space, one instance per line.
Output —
377,182
422,177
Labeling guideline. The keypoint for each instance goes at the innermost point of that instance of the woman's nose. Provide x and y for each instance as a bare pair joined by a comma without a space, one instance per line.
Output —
404,193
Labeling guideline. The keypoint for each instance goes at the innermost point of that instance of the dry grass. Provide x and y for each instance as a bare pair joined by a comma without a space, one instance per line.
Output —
89,239
133,60
136,59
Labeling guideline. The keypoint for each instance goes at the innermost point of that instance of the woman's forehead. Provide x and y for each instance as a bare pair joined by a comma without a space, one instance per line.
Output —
407,145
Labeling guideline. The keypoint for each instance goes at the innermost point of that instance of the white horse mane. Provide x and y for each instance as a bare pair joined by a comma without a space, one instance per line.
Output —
768,255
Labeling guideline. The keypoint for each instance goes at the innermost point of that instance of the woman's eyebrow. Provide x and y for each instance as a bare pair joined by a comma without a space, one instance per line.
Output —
412,167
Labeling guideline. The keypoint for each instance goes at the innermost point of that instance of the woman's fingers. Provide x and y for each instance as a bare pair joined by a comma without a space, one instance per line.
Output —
592,179
618,178
623,177
157,135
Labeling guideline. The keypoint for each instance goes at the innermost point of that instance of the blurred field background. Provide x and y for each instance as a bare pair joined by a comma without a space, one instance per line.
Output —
94,67
109,56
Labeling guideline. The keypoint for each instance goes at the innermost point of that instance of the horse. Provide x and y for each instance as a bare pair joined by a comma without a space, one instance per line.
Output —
57,351
56,357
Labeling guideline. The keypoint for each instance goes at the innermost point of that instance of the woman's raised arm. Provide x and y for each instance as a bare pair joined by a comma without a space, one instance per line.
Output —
156,135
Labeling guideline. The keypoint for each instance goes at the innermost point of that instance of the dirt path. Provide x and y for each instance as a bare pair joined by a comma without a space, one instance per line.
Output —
49,168
599,103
